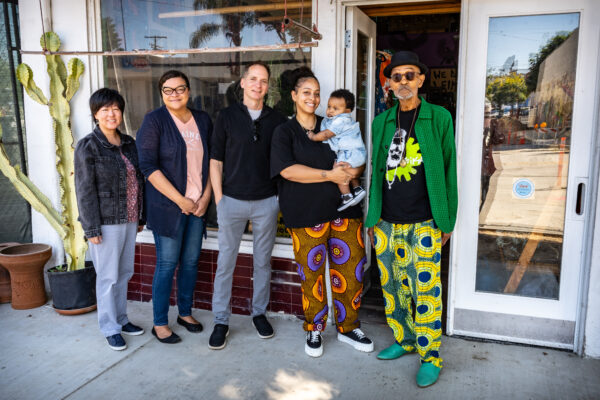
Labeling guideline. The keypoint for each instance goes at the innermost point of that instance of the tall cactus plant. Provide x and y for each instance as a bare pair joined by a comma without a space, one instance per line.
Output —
64,82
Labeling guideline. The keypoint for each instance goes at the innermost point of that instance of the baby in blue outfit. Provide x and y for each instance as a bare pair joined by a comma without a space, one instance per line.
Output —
342,134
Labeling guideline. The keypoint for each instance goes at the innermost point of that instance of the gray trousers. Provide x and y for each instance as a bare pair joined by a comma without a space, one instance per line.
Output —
113,260
232,215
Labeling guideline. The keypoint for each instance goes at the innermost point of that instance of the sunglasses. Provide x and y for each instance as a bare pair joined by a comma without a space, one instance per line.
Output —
169,91
255,136
410,75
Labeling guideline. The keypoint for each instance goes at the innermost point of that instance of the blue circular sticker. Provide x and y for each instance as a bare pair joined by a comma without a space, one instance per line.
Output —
523,188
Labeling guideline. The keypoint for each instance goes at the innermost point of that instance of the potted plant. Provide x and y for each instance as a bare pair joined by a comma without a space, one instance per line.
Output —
64,82
5,288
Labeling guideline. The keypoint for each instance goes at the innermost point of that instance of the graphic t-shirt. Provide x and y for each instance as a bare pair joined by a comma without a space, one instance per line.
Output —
194,154
405,199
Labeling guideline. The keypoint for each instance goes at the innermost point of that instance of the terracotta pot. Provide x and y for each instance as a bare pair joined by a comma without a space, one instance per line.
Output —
5,291
25,262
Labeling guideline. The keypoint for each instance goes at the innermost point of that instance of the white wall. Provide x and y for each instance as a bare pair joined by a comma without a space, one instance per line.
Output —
69,20
325,63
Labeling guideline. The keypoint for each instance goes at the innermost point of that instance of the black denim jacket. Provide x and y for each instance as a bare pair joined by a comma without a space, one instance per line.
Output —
101,181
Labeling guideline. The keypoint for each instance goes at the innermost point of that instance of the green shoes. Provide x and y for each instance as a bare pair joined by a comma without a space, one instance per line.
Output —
392,352
428,375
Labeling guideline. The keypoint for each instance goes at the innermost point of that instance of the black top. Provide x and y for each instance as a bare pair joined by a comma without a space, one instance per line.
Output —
246,171
305,204
405,199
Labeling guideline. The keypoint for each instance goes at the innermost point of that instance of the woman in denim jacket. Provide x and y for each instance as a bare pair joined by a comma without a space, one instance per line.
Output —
109,188
173,149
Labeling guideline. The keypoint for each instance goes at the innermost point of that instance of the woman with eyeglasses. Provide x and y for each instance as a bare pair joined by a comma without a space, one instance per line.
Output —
173,148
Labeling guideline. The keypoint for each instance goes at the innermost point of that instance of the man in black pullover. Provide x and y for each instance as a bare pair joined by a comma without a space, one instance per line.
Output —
243,190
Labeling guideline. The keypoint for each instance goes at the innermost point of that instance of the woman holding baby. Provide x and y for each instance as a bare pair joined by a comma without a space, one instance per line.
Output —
309,197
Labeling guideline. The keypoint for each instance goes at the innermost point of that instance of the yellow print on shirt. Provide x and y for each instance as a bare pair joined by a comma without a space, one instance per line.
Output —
413,158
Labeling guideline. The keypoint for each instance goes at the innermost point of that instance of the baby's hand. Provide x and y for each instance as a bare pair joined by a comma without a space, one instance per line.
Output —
344,164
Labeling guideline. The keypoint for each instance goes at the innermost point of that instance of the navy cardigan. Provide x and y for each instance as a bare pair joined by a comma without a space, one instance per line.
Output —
161,147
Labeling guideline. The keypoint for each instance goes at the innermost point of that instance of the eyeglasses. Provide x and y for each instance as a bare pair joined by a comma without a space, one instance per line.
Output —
255,136
169,91
410,75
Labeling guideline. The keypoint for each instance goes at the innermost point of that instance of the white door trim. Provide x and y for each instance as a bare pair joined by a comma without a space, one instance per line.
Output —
587,62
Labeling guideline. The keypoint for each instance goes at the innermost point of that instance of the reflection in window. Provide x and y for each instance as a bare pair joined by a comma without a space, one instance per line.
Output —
530,83
214,77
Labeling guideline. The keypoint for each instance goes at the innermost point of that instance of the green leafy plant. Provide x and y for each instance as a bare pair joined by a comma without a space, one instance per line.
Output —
64,82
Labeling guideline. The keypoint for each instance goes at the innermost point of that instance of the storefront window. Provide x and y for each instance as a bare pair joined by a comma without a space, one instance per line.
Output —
154,25
531,66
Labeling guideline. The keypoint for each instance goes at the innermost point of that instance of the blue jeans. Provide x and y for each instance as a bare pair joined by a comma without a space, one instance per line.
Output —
184,249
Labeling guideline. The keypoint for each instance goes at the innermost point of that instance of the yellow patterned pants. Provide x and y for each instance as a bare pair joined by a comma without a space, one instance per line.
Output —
408,257
340,240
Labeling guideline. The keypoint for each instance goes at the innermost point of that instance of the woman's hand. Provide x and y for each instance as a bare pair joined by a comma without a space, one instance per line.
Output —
201,206
188,206
140,228
339,175
354,172
96,239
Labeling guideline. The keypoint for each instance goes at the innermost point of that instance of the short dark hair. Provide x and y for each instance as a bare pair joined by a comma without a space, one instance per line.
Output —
173,73
301,74
105,97
252,64
346,95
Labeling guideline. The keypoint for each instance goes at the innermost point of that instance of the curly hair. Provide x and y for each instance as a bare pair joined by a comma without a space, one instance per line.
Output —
346,95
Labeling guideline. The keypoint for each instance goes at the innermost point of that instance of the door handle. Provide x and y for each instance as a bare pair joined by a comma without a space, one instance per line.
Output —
580,202
580,197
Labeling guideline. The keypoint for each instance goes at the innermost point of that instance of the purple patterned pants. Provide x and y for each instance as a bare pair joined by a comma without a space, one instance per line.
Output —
342,241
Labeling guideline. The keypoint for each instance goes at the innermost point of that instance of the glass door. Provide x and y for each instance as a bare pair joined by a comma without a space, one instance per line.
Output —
360,43
523,177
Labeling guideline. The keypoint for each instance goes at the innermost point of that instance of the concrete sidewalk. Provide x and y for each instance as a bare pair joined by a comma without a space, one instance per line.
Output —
44,355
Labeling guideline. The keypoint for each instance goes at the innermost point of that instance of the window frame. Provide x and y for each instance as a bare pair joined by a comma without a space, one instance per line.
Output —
283,246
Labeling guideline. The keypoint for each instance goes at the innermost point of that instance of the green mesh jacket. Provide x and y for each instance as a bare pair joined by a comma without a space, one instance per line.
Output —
435,134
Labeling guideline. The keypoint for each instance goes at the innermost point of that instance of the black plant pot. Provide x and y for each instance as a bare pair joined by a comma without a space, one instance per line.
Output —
73,292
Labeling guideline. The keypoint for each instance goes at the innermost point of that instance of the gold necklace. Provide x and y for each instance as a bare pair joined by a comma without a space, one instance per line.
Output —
307,130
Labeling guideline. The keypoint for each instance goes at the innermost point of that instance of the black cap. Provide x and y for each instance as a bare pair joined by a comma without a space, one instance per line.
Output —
404,58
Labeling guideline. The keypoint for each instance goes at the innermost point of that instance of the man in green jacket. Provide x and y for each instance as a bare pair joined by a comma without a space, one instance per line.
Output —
412,211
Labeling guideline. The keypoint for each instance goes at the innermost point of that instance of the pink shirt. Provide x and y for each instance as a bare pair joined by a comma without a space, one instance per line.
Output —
195,152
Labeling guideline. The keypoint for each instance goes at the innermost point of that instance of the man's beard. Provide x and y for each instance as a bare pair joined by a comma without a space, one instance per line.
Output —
405,97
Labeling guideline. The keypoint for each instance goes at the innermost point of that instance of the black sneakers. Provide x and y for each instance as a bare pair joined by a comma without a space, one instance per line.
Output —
116,342
314,344
357,339
352,199
131,329
346,201
359,194
263,327
218,337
